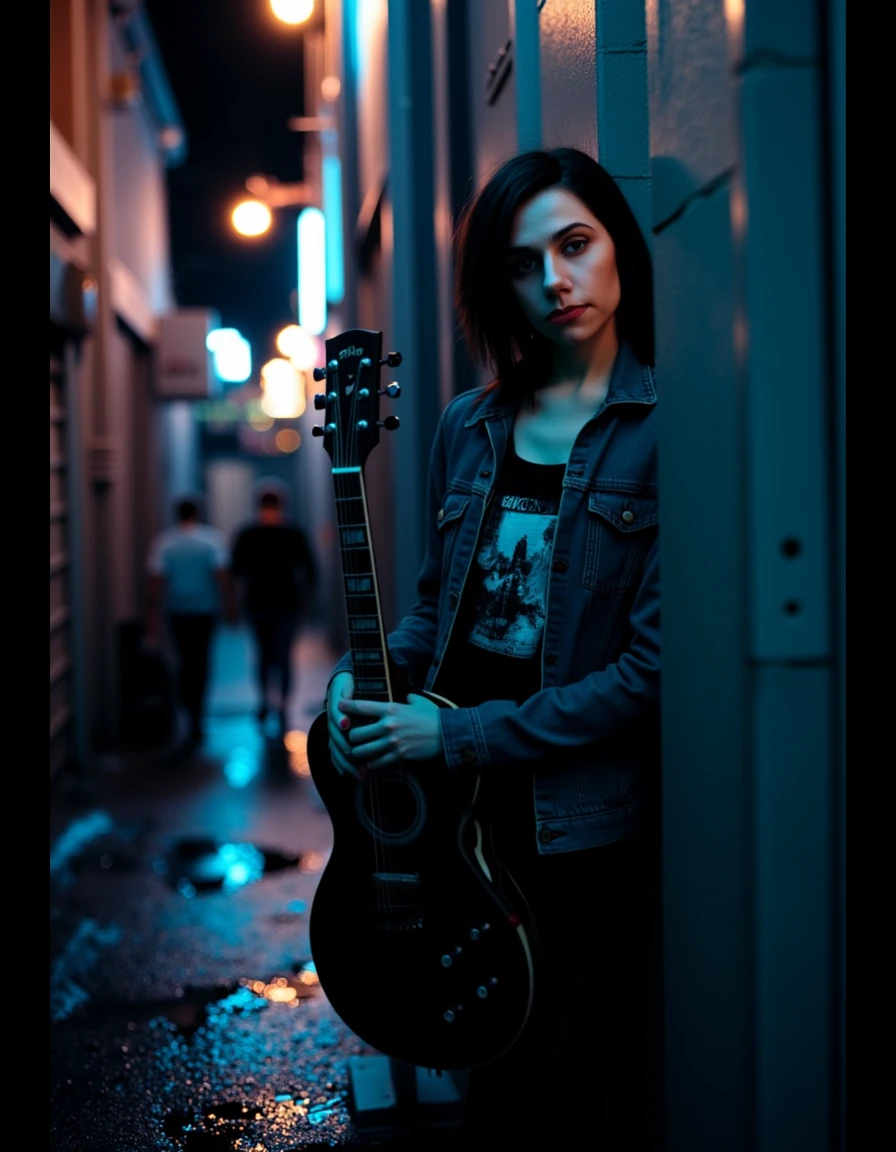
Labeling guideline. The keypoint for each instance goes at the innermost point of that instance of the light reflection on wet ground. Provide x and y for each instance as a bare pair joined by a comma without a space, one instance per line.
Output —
185,1010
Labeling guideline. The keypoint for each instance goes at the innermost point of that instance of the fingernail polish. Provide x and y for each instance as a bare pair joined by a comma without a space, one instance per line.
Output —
344,723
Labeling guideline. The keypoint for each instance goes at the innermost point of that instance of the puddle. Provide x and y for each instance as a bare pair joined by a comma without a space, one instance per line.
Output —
201,865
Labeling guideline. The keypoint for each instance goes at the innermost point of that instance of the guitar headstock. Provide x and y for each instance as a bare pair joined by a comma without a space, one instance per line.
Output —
352,400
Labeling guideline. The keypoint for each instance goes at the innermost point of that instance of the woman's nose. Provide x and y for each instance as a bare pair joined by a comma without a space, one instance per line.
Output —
554,276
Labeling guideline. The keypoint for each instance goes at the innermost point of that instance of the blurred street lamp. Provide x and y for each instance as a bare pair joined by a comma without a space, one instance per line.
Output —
298,346
251,218
283,396
292,11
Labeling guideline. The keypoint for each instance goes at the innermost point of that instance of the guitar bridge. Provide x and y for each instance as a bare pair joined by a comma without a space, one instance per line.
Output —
398,900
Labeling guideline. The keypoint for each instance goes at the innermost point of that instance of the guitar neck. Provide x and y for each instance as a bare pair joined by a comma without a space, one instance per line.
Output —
367,638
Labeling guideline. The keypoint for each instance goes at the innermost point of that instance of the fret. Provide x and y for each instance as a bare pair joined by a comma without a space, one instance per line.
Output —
369,687
365,656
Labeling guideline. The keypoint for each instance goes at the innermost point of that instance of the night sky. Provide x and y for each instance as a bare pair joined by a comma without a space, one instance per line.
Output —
236,75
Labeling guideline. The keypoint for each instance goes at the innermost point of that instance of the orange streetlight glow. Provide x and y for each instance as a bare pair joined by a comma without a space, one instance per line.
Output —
251,218
292,11
298,346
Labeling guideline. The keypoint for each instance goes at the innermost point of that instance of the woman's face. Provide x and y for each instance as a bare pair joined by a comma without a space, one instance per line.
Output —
562,269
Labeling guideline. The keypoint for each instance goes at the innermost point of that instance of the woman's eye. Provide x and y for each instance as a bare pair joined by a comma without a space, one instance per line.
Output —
522,267
575,244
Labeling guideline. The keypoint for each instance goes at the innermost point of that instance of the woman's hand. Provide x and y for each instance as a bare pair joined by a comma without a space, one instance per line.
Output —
341,689
389,733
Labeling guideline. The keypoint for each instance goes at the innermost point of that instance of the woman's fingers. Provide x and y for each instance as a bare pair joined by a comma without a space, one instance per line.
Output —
341,689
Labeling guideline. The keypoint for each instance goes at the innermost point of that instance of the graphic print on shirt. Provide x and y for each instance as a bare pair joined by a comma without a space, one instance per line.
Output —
511,575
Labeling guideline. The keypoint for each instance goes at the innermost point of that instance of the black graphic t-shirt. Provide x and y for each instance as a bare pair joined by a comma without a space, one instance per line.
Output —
504,603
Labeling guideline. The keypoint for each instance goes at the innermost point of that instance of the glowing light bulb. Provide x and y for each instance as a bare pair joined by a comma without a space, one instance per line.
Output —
292,11
251,218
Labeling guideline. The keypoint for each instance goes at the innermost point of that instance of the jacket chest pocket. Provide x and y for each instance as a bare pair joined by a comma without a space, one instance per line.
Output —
448,521
621,528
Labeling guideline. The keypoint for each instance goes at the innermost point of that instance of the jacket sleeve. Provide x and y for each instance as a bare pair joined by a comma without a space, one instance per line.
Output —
568,720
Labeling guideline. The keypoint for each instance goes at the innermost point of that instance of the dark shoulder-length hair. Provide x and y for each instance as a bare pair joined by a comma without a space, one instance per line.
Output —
492,323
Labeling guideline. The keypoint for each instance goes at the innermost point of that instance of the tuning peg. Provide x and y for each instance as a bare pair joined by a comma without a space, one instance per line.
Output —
317,430
393,360
393,391
320,400
390,423
319,373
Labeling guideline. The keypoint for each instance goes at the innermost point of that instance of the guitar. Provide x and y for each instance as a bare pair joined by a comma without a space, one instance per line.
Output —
412,887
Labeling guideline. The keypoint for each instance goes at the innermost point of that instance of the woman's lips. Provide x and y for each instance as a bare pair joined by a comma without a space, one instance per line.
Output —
565,315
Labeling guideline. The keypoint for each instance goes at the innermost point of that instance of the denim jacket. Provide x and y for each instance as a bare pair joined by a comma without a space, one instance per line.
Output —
591,732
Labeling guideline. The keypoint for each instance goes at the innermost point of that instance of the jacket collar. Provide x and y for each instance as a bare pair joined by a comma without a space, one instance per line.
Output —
630,383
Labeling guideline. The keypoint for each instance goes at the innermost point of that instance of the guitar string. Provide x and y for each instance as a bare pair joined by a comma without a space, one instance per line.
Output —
373,784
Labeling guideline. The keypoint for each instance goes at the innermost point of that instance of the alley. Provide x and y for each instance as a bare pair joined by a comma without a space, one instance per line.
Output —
185,1014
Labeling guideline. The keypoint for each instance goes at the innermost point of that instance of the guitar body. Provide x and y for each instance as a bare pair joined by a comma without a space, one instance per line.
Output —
423,949
423,944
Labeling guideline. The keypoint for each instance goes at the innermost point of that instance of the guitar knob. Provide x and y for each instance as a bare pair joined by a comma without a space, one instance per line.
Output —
320,400
393,391
390,423
319,373
317,430
393,359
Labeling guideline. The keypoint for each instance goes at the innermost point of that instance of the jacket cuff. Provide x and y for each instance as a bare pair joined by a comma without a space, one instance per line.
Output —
463,741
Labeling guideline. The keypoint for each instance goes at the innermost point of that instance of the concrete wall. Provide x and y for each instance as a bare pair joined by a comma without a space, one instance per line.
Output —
741,231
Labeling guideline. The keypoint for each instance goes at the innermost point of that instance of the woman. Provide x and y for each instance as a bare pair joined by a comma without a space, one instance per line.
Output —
538,616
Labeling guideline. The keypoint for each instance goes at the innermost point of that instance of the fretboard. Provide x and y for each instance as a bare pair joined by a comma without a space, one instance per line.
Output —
367,639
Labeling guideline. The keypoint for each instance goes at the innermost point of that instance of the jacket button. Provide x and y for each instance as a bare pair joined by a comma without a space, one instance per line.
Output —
441,515
467,755
628,517
550,659
546,835
485,474
560,565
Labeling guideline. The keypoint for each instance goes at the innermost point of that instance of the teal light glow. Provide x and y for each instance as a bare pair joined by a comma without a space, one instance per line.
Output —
312,253
331,179
232,355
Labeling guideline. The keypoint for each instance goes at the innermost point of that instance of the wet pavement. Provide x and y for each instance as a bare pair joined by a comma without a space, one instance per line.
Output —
185,1013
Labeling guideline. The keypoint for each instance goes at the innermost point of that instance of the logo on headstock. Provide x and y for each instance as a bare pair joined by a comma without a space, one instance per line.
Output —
344,354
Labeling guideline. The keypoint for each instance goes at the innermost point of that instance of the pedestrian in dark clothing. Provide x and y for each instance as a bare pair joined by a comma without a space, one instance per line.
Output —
190,588
275,571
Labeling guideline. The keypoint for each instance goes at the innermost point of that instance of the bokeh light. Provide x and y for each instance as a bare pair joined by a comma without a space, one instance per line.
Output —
287,439
283,395
298,346
251,218
292,11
